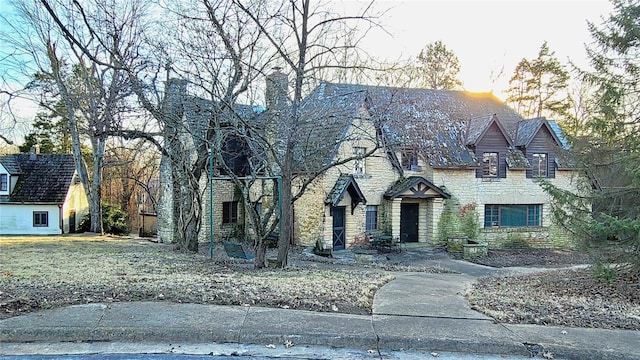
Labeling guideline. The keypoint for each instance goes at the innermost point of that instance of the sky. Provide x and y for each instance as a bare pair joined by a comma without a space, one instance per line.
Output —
487,36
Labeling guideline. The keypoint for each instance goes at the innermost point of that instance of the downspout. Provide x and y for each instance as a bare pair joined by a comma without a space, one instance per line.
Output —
61,222
211,203
279,184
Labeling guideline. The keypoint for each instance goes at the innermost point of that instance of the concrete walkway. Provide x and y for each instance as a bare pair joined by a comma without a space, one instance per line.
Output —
417,311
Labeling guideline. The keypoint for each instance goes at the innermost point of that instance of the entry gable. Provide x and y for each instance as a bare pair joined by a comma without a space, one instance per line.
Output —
415,187
345,183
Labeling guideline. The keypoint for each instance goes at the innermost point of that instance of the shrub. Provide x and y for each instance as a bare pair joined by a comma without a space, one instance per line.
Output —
114,220
469,223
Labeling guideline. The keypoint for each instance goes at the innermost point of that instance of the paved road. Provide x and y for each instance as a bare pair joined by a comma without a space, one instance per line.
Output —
143,351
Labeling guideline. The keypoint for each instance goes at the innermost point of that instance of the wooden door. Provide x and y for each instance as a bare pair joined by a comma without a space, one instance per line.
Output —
409,215
338,214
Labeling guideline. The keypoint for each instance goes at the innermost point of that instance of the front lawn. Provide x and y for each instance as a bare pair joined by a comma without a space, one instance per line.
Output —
45,272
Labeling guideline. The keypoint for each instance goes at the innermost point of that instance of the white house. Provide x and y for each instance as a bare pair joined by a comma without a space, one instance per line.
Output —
40,194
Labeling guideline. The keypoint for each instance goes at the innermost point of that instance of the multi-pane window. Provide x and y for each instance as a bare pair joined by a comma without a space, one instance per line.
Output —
372,218
409,160
4,182
359,163
40,219
490,164
513,215
229,212
539,165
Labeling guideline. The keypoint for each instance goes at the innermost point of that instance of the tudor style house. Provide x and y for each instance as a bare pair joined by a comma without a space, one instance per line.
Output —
403,154
424,148
40,194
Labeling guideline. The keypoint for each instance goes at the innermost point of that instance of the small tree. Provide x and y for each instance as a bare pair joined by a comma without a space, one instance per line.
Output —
448,224
437,67
469,223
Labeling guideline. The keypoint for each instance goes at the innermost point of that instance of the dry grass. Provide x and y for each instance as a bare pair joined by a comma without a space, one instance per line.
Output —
44,272
561,297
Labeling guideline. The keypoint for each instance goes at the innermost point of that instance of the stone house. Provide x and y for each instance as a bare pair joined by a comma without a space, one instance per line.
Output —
402,154
424,148
40,194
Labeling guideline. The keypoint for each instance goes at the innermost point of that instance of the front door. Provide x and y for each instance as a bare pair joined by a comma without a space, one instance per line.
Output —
338,227
409,214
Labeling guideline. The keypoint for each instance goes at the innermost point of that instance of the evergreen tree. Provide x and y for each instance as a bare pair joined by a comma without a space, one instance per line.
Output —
609,150
437,68
538,86
51,132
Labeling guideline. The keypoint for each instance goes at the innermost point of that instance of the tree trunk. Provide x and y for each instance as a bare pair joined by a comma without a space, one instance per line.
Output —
95,192
260,249
187,210
284,241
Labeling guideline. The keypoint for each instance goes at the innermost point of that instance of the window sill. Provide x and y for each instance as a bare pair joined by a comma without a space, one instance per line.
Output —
361,176
491,179
499,229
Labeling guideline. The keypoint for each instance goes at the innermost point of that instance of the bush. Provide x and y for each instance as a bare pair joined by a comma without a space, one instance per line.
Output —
114,220
469,223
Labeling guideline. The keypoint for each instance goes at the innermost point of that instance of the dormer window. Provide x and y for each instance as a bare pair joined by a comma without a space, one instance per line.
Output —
4,182
359,167
410,160
490,164
540,165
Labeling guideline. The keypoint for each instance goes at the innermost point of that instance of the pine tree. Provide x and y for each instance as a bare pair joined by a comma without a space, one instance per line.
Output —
609,150
437,68
538,86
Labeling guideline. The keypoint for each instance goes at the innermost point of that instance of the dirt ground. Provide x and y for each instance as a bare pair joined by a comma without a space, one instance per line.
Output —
532,257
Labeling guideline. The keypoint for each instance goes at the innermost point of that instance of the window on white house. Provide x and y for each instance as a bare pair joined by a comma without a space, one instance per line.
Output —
513,215
4,182
409,160
372,218
229,212
540,165
359,167
490,164
40,218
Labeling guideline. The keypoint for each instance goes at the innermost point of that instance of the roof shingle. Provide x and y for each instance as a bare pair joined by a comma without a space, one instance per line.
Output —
43,178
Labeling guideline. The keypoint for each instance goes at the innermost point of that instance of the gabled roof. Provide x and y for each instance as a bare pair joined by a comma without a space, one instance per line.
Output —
42,178
11,164
346,183
528,129
325,117
479,126
432,122
415,187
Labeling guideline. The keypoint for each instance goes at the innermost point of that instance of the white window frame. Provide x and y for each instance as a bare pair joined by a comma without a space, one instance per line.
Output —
490,169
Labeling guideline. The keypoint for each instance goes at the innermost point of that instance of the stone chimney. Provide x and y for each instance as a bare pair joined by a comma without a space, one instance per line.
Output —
33,153
277,90
175,92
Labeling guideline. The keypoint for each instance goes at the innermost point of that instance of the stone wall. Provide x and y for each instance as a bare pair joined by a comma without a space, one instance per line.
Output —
516,188
313,217
165,203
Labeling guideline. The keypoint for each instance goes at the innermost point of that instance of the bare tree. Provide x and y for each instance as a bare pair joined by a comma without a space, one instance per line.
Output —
93,94
304,38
